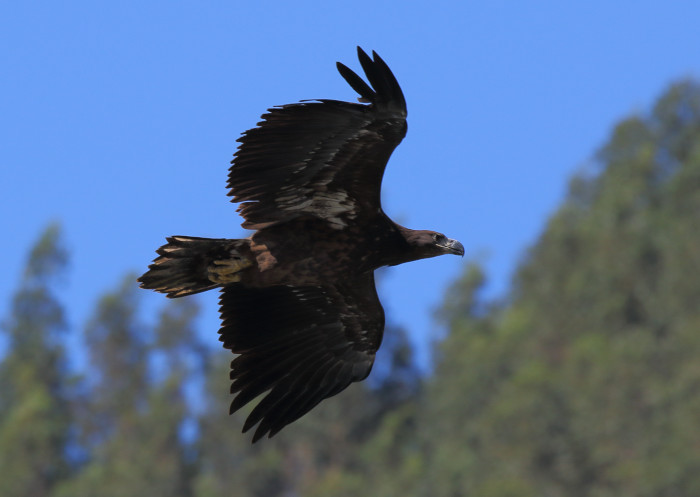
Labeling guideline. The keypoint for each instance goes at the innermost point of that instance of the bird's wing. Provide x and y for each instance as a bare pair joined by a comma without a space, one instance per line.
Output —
299,344
322,158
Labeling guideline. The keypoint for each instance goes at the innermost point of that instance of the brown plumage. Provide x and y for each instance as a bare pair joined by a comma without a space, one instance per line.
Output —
298,300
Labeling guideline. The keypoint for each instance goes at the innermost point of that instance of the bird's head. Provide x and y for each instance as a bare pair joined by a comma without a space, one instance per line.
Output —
425,243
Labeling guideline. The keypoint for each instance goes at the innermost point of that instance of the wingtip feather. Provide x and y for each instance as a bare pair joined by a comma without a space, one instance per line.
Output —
357,83
383,88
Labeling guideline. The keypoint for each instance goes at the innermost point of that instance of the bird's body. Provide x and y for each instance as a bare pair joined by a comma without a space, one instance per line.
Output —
298,301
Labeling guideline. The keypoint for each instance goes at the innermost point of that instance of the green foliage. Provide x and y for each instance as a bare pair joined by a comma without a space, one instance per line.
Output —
132,421
35,416
585,381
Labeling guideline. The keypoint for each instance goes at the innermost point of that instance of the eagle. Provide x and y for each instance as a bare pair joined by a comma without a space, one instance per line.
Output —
298,303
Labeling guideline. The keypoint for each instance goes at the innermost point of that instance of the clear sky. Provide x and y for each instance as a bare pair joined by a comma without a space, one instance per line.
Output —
119,119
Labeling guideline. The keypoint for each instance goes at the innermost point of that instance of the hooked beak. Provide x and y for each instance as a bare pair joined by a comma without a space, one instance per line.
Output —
454,247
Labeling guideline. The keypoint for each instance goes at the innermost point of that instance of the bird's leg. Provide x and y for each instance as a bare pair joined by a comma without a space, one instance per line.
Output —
224,271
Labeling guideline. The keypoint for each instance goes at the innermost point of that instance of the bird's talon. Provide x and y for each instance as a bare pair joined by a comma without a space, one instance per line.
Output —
224,271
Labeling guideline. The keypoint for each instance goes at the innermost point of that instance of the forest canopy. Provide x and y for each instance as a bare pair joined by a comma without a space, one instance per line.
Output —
584,380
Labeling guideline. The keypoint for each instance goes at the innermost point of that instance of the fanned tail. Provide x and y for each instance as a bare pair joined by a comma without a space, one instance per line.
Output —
187,265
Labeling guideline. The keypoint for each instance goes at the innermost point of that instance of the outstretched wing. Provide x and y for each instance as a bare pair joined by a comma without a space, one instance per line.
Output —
322,158
302,344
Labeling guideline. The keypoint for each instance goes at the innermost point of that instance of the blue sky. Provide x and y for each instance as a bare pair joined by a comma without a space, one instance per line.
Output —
119,120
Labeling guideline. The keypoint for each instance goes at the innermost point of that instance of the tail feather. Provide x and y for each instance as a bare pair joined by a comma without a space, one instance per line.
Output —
184,265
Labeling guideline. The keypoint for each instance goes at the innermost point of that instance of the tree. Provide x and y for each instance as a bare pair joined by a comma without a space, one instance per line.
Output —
136,412
586,382
583,382
35,415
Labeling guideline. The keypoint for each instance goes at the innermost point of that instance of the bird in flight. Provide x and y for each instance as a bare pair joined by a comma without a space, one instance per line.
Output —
298,303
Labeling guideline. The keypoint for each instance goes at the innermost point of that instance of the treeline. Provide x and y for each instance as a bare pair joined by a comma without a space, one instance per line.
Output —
585,381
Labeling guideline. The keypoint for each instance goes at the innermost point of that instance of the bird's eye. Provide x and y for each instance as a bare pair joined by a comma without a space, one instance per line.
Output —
439,239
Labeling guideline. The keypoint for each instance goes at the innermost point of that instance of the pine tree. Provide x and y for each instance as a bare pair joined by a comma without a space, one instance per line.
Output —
587,383
136,414
35,415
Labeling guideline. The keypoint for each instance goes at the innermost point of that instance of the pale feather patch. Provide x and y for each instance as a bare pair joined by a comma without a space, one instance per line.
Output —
227,271
335,207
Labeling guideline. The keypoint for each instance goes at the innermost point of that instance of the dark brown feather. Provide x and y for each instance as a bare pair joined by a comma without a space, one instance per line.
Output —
300,344
324,158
